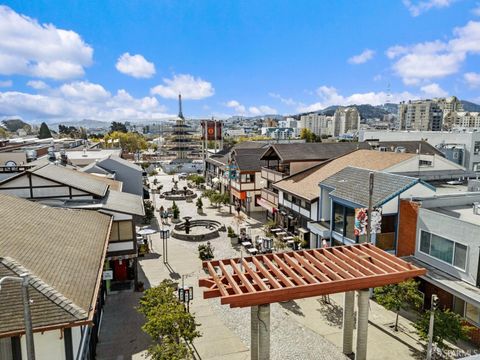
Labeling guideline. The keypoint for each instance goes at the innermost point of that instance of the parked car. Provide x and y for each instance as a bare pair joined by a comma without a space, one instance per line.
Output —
182,176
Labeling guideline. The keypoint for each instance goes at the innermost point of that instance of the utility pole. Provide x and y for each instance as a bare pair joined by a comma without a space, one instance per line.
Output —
24,279
433,307
370,207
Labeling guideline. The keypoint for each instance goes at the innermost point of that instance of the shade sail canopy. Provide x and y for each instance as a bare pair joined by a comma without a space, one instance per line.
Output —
270,278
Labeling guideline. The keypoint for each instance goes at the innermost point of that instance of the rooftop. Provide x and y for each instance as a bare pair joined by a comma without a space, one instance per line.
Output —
305,183
62,249
311,151
460,212
351,184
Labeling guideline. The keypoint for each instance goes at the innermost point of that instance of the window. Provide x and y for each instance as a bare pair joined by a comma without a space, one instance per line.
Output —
338,218
6,348
459,306
247,178
476,166
425,163
448,251
349,223
472,313
476,148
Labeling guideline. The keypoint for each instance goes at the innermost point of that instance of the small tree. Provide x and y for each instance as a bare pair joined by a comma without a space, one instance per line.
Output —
167,322
230,232
199,203
44,132
175,211
149,212
447,326
394,297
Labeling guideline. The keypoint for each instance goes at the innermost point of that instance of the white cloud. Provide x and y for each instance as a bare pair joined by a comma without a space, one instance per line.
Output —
135,65
84,90
252,110
261,110
80,100
286,101
330,96
40,50
435,59
418,7
472,79
6,83
433,90
189,86
37,84
363,57
237,107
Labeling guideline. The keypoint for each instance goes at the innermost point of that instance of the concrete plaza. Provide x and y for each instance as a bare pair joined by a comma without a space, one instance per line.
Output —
302,329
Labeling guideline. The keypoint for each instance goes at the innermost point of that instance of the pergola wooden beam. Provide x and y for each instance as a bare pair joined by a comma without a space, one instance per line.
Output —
306,273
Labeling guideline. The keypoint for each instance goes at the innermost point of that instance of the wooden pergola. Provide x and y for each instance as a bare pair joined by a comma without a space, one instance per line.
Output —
266,279
260,280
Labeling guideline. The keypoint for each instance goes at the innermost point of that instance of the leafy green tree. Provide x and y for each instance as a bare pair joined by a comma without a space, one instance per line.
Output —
447,326
175,211
3,133
149,212
199,203
118,126
167,323
395,297
129,142
309,136
44,132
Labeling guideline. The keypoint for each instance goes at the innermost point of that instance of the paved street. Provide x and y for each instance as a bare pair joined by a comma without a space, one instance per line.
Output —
306,329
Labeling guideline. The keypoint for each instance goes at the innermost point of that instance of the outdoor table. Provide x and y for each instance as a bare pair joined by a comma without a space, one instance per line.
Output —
275,230
290,242
287,238
252,250
282,233
246,243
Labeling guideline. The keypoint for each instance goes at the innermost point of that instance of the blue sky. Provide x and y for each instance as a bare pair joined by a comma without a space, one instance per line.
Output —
127,60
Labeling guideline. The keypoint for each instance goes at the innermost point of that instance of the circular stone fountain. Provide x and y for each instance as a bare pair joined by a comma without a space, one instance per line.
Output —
178,194
198,230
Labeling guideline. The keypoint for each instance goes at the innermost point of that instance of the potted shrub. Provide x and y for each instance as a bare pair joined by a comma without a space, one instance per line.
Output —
199,205
231,234
205,251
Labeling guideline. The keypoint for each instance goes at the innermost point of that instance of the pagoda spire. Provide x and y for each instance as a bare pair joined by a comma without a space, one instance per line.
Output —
180,114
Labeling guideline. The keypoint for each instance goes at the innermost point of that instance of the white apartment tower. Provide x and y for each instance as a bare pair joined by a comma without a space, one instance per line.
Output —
346,120
317,123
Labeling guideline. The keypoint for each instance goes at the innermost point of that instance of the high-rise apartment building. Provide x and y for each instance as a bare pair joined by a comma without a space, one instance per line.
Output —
429,114
317,123
461,119
346,120
421,115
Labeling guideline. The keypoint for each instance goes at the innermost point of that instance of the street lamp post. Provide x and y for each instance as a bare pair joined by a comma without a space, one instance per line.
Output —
24,279
164,234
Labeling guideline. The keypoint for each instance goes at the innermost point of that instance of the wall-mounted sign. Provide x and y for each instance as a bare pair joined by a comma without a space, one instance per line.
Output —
108,275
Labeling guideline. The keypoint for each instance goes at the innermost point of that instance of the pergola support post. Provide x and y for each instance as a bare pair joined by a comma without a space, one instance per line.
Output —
348,320
362,324
254,332
264,332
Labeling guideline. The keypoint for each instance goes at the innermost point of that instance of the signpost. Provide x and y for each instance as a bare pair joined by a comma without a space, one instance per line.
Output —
165,234
185,295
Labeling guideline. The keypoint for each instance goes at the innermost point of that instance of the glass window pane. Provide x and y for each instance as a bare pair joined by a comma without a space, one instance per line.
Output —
114,232
6,349
472,313
425,242
350,223
459,306
441,248
460,259
338,216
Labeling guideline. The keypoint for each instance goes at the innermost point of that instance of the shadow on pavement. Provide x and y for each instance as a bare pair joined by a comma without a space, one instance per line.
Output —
121,336
416,354
332,313
293,307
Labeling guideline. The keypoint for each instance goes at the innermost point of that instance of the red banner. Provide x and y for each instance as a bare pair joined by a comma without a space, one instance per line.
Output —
210,130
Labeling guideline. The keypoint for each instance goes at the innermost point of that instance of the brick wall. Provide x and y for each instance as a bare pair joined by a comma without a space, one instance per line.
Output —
407,227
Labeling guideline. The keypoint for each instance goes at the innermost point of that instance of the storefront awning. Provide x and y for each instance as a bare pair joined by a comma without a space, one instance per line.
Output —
447,282
267,205
318,229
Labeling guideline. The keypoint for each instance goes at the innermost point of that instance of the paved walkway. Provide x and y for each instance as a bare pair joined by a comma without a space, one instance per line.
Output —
306,329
